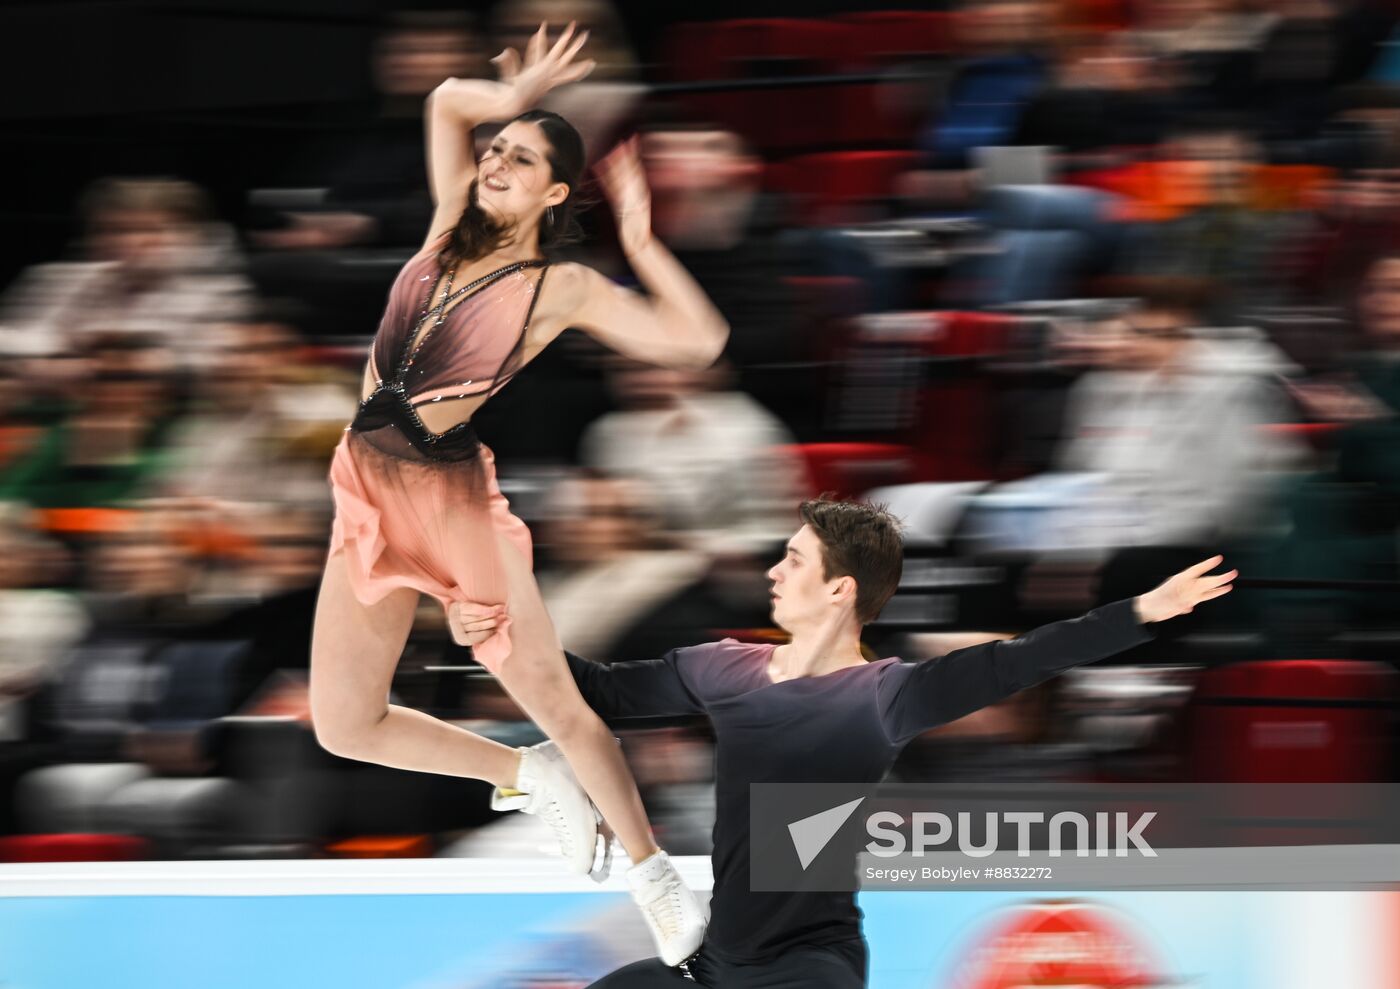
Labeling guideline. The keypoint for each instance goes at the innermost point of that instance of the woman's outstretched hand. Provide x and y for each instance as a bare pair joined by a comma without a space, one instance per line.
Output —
1180,594
625,183
544,67
472,623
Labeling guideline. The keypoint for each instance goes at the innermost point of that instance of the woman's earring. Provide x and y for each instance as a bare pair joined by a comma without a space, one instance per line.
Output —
549,211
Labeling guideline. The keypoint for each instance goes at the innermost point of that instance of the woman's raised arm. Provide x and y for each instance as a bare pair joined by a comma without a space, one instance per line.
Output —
676,325
453,110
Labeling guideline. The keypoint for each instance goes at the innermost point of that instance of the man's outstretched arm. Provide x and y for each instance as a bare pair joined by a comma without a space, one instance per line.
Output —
917,697
647,688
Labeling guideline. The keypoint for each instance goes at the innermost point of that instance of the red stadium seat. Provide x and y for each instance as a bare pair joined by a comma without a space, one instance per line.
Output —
850,469
1293,721
880,36
958,425
955,410
73,848
835,186
883,113
778,119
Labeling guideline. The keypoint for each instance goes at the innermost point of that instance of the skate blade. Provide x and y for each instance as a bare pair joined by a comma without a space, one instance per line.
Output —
601,869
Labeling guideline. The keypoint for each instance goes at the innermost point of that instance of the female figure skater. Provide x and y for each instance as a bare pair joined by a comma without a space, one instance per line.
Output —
417,505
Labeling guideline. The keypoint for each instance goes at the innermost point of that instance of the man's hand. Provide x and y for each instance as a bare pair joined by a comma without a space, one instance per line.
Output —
472,623
1180,594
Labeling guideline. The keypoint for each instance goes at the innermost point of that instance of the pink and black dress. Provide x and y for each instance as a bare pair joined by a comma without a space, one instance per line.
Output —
420,509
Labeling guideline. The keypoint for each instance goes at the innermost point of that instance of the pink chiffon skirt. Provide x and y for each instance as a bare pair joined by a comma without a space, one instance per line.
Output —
427,525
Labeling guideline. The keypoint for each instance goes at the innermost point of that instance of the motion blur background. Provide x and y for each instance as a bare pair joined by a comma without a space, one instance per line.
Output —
1086,290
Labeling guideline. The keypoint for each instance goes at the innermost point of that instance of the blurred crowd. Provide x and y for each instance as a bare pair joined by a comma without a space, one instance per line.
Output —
1086,290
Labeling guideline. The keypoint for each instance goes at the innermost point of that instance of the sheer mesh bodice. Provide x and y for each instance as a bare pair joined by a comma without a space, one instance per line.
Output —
440,340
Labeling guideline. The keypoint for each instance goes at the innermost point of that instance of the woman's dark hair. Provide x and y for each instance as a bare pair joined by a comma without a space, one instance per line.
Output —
478,233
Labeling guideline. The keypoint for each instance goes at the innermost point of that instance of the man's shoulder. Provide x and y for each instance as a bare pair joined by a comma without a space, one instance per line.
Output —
719,649
720,656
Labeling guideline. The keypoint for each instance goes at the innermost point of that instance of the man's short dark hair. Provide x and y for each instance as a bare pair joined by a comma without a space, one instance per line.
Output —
862,541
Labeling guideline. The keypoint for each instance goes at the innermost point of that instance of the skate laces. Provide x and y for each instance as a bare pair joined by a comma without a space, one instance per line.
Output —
666,907
553,815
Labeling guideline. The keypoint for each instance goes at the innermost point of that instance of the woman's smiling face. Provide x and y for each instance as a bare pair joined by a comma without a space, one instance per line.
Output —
515,181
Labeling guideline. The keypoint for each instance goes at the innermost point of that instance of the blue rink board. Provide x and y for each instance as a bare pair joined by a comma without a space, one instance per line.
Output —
1225,940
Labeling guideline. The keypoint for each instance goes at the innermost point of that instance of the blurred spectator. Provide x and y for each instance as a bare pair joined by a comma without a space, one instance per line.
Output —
1202,26
1345,522
1358,218
614,564
1212,45
599,105
1001,69
114,437
709,208
374,180
252,423
1104,91
38,625
1164,440
155,266
1220,232
710,454
140,575
257,553
1172,419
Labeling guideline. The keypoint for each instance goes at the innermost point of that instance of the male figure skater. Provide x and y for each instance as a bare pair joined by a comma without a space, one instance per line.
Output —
815,710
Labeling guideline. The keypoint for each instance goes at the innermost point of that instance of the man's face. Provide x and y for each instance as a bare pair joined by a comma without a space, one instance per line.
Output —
1374,193
696,161
801,595
410,62
642,387
1219,162
1380,303
140,239
1154,339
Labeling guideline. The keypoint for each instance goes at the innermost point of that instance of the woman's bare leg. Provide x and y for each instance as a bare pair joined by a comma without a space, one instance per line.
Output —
537,676
354,650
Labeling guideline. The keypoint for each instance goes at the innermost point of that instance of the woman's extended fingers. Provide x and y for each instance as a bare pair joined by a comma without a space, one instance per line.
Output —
574,49
535,48
562,43
507,64
621,166
607,168
576,72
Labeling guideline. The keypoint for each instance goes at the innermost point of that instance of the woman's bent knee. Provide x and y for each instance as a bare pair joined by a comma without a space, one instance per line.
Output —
551,700
347,737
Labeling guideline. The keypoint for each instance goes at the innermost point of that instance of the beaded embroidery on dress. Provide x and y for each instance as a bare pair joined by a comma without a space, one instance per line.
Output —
456,348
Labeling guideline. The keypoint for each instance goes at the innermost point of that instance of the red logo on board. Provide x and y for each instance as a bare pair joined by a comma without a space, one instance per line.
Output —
1061,943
